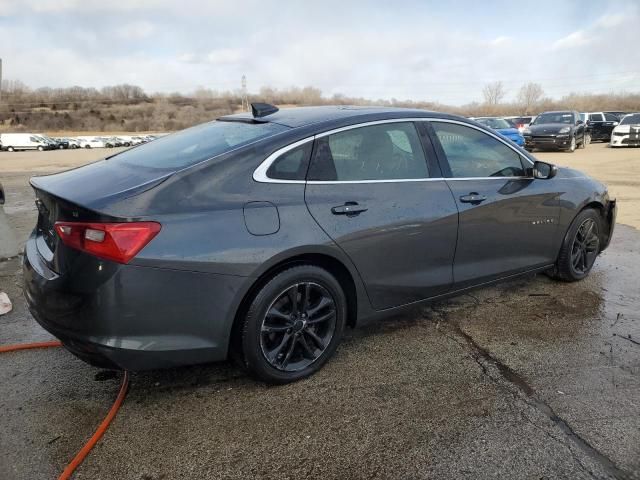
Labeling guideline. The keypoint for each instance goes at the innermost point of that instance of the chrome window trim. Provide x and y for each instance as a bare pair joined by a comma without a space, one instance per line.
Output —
260,173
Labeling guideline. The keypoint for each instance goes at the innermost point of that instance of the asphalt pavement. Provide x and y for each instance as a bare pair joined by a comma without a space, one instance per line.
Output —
529,379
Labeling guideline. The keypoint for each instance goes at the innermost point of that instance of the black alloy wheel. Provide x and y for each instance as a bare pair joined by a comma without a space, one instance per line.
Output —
585,248
293,325
580,247
298,327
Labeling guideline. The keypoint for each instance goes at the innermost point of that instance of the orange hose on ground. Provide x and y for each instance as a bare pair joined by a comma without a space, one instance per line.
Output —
82,454
26,346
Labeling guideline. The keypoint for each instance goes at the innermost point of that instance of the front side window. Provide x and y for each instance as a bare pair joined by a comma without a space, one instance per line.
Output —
596,117
474,154
389,151
610,117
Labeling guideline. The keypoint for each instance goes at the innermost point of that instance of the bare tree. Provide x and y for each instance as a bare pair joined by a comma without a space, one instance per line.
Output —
529,95
493,93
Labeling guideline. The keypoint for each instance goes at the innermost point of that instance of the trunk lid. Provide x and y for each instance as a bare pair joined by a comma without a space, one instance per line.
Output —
97,185
84,194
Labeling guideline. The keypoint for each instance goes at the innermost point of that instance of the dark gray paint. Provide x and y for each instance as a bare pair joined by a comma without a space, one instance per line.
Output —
177,300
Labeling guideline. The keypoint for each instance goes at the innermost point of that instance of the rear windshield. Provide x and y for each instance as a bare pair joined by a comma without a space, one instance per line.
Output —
633,119
555,117
494,122
196,144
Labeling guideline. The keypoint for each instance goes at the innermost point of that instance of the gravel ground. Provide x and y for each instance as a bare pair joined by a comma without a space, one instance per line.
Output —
529,379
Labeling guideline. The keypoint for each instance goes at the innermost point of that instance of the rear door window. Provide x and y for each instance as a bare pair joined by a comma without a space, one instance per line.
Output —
389,151
596,117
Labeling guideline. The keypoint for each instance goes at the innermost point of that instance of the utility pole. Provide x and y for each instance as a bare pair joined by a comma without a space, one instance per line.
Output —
245,99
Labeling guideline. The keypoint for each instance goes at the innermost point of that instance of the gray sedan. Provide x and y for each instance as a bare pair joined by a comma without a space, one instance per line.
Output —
261,236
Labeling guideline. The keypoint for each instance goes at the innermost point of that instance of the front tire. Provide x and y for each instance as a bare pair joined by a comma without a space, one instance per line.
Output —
572,146
293,325
40,149
580,247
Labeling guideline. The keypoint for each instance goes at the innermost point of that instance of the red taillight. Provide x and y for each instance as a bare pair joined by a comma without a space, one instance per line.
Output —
119,242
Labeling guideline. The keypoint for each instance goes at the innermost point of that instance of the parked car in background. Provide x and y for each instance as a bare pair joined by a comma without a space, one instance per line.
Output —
12,142
73,142
601,124
265,235
503,128
627,132
92,143
562,130
521,122
60,143
137,140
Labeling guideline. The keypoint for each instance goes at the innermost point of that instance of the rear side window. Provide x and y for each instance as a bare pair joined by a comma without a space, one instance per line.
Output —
474,154
390,151
291,165
596,117
196,144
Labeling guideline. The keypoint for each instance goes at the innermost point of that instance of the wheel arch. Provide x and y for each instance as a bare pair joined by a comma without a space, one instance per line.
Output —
345,274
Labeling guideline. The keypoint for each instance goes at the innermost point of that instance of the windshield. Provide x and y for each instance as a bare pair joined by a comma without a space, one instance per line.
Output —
494,122
632,119
196,144
554,117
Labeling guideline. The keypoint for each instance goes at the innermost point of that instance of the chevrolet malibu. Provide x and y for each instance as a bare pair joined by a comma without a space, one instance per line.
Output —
262,236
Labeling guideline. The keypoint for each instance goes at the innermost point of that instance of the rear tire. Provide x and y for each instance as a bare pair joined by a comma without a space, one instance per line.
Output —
10,149
284,337
580,247
40,149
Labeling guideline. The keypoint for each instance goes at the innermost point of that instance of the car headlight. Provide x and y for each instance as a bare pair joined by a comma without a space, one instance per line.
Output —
564,130
620,134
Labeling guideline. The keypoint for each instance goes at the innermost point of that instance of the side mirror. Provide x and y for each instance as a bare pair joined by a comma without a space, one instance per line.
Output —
579,122
615,124
544,171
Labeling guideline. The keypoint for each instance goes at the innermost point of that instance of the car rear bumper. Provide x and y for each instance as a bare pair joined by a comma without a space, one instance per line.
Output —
132,317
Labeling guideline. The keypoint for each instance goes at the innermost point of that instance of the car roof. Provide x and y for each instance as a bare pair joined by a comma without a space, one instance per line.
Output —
303,116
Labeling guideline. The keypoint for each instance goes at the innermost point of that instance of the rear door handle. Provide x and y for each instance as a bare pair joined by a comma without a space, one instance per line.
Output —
349,209
473,197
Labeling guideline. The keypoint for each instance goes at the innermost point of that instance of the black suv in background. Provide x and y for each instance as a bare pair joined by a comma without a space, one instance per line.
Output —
563,130
601,124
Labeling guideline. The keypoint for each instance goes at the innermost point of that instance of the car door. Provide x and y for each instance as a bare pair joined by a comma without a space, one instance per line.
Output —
596,122
507,219
378,193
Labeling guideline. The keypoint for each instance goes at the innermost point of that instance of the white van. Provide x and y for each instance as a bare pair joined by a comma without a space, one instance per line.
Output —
12,142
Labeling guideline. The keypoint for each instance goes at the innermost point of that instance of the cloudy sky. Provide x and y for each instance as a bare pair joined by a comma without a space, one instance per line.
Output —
439,51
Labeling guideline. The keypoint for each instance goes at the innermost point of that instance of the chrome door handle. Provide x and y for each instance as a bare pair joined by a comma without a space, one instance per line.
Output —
349,209
474,198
